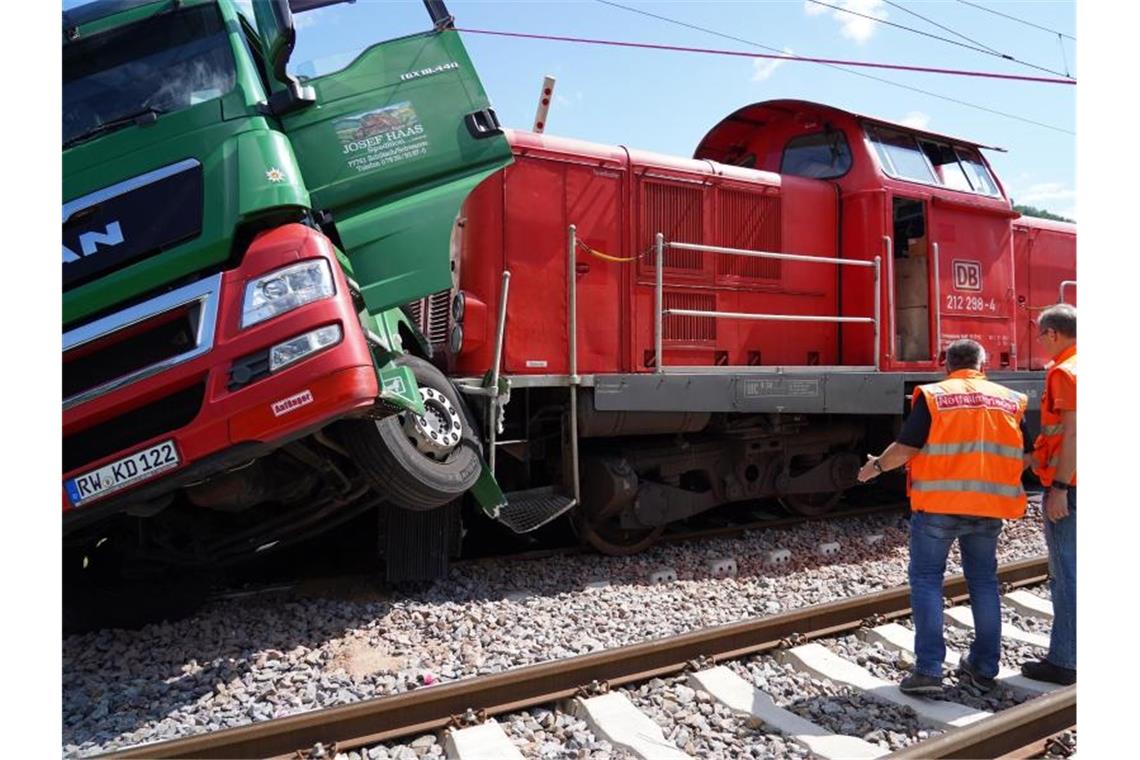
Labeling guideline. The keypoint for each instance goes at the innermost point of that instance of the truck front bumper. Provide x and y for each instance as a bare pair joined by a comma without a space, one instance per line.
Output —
215,397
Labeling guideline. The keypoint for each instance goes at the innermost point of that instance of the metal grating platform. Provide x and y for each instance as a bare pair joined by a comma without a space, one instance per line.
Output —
529,510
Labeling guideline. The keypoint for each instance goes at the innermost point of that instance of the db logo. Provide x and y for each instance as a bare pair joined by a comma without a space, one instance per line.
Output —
967,275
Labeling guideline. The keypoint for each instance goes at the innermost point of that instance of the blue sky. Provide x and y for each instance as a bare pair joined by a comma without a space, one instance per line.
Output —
666,101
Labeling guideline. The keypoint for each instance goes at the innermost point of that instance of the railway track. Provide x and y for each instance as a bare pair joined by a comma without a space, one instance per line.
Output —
590,681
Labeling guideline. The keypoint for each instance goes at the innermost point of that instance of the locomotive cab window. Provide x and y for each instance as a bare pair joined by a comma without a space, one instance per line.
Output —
931,162
976,170
944,161
900,155
823,155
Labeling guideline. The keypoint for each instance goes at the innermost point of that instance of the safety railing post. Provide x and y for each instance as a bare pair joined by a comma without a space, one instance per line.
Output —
1061,291
572,324
500,327
658,355
878,309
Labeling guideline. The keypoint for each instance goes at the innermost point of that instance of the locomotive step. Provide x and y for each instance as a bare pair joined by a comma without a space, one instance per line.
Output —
531,509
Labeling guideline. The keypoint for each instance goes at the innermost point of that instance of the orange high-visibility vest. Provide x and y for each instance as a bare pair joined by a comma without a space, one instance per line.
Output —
1047,447
972,461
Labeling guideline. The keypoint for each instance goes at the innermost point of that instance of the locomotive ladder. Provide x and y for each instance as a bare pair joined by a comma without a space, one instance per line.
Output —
660,311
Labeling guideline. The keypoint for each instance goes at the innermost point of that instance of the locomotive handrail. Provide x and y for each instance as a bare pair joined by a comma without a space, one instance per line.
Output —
1061,291
658,334
891,339
937,304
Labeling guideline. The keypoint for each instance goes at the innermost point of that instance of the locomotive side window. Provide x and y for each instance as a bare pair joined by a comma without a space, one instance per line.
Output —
900,155
823,155
931,162
946,167
977,172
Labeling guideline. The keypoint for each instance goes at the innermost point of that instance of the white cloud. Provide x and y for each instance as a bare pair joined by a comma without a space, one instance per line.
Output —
1047,191
916,120
851,26
763,68
316,17
1051,196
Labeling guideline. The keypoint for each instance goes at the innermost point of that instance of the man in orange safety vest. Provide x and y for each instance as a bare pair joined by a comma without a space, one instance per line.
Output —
964,441
1055,464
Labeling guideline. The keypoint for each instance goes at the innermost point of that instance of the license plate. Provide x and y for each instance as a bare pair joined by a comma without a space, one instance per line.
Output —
121,473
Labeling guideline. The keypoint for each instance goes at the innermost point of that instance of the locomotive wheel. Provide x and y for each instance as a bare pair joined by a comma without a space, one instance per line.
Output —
419,462
811,504
609,538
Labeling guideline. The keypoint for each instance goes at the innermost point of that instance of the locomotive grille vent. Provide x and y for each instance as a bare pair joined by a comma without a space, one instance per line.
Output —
686,329
432,315
750,221
677,212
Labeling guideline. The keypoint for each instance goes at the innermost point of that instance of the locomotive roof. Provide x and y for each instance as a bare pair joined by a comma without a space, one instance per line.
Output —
758,114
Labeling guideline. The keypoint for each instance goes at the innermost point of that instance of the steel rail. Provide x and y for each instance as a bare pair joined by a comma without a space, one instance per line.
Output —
431,708
1007,731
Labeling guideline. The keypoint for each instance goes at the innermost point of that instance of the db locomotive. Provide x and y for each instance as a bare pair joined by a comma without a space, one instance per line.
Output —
646,337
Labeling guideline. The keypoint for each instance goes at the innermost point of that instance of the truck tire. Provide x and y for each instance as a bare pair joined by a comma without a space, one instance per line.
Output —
401,460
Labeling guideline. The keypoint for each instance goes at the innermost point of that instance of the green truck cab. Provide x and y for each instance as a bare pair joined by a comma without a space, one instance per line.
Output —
237,246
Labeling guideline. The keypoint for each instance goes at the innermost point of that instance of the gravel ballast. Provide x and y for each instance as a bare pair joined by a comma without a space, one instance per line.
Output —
246,660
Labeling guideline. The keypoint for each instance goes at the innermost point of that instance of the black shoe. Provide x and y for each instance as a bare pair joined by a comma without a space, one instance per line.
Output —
1043,670
973,679
919,685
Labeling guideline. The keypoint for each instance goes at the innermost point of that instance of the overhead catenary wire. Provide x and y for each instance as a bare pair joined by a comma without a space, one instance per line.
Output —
973,47
862,74
782,57
943,27
1018,20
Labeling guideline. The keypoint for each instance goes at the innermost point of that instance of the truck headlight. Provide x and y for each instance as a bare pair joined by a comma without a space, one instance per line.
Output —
286,289
303,345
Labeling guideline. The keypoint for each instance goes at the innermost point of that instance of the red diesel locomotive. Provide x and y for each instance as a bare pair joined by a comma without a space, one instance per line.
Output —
650,337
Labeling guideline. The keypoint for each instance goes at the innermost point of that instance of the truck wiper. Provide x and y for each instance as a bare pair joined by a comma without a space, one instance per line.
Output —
147,115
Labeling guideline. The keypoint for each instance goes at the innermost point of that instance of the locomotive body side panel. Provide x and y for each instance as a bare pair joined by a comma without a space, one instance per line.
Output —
1047,251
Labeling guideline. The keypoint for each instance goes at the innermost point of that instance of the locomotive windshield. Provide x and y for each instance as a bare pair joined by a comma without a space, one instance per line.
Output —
165,63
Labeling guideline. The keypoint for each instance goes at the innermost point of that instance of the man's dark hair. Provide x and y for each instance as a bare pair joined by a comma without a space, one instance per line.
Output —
1062,318
964,354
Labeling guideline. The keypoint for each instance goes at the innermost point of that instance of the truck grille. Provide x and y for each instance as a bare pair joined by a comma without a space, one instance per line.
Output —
432,316
162,416
139,341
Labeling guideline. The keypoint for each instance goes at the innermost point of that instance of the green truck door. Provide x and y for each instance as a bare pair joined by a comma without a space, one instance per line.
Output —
393,145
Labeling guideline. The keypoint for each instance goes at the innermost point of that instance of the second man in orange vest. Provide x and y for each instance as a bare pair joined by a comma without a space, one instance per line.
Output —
964,441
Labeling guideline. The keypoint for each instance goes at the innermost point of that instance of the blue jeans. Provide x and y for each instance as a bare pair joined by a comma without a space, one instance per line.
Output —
1061,538
930,538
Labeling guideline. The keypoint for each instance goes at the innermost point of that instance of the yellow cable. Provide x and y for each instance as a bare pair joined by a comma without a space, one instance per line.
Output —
606,256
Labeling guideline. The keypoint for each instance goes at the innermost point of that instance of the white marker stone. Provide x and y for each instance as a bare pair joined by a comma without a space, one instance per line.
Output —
663,575
778,557
721,567
829,549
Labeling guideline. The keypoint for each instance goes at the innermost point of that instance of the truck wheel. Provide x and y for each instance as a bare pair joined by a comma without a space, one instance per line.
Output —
415,462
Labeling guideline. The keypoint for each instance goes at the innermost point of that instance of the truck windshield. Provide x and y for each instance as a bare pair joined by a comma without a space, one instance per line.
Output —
165,63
